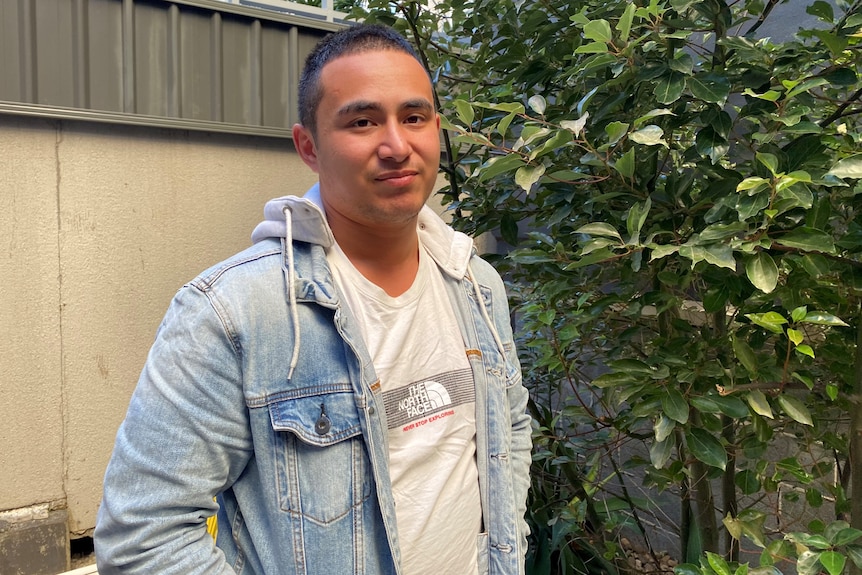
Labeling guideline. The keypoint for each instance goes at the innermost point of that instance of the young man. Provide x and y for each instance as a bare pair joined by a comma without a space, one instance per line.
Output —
348,387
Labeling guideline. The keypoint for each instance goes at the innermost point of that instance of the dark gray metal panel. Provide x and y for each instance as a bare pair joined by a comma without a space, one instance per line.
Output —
103,60
10,52
192,64
54,80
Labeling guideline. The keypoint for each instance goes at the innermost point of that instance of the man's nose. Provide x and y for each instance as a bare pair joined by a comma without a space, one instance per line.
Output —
394,145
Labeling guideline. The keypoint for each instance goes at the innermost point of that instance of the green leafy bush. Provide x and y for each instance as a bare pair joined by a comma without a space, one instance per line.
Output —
680,195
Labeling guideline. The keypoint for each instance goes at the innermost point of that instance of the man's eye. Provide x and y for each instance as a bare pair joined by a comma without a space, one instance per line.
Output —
363,123
414,119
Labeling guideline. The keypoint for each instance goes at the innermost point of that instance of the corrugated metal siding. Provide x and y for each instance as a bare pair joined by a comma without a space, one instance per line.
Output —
193,64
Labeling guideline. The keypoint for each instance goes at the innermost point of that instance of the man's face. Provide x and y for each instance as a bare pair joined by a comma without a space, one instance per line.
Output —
377,147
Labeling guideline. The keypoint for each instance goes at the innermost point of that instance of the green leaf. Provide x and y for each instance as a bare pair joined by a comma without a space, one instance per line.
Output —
663,427
600,229
682,62
721,231
795,336
706,448
822,10
762,272
808,239
768,160
626,164
753,184
465,111
845,536
731,406
538,104
598,31
773,321
795,409
745,355
808,563
796,196
634,366
660,452
711,144
815,265
747,482
576,126
503,126
507,107
834,42
635,220
612,380
597,244
805,350
847,168
833,562
758,402
593,48
675,406
652,114
659,252
670,87
715,298
498,165
721,256
717,563
530,134
651,135
854,552
526,176
559,139
823,318
624,25
615,131
709,87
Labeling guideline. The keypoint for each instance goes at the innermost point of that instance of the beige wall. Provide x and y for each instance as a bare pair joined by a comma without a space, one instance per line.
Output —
99,225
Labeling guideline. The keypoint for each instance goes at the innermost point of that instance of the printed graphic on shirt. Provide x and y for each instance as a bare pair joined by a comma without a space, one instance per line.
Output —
431,398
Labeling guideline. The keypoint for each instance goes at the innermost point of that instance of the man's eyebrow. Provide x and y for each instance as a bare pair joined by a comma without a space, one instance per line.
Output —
362,106
417,104
357,107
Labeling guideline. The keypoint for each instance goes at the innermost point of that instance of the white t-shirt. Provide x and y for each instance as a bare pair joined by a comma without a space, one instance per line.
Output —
429,395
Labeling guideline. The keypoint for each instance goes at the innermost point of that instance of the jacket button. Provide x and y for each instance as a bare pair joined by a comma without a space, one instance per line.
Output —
323,425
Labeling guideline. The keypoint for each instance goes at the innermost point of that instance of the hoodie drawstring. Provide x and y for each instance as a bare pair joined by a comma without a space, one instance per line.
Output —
290,275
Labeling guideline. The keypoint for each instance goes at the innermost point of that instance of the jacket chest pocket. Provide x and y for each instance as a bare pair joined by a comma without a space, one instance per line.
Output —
323,468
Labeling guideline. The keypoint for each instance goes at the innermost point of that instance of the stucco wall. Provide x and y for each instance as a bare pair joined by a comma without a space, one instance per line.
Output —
100,225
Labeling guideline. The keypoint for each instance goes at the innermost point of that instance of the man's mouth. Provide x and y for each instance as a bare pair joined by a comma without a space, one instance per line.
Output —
397,178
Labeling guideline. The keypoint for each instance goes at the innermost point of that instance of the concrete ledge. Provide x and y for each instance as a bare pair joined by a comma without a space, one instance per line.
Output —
33,541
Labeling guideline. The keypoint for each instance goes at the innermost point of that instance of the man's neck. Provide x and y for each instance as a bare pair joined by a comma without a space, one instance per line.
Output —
387,258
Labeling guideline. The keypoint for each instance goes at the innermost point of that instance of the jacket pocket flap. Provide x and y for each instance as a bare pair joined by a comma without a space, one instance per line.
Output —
321,419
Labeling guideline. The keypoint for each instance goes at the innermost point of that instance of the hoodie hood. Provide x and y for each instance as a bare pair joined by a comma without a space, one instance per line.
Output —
451,250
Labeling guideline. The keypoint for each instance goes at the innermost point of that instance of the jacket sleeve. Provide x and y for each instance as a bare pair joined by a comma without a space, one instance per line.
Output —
521,436
185,437
521,440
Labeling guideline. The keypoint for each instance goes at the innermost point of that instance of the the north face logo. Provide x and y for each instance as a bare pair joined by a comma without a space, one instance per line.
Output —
424,398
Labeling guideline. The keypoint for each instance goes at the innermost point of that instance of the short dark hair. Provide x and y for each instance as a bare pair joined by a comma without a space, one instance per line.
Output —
352,40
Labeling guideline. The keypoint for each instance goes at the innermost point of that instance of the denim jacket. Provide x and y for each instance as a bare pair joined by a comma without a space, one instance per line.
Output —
229,405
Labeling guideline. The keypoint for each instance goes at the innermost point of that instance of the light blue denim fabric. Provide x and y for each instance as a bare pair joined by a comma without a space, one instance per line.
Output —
214,414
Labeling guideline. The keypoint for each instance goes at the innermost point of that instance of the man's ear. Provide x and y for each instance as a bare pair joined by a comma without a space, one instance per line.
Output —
303,141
